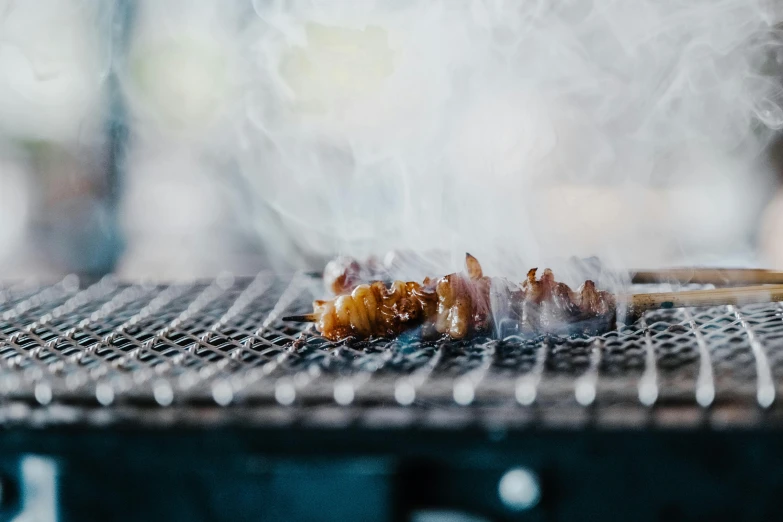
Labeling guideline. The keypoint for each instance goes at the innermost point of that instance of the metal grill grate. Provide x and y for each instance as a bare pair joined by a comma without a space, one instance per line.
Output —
221,342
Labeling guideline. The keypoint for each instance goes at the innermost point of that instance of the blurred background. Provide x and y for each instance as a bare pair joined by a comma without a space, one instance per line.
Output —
176,139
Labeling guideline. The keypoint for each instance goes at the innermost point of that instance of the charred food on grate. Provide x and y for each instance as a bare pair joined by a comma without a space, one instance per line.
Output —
460,305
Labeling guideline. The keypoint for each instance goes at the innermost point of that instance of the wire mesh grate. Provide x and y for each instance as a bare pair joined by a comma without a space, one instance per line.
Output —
222,342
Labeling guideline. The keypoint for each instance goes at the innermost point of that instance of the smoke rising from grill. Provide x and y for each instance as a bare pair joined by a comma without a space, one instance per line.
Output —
522,132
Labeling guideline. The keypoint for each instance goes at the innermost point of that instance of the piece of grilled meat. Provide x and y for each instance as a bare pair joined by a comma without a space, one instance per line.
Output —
547,306
376,310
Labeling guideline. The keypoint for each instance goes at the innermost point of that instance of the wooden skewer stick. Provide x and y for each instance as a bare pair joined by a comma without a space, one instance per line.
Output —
305,318
640,303
709,276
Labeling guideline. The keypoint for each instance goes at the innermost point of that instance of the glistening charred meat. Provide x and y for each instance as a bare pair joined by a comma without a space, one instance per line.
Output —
375,310
459,305
464,302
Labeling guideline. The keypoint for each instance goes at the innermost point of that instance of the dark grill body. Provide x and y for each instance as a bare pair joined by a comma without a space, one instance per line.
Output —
214,409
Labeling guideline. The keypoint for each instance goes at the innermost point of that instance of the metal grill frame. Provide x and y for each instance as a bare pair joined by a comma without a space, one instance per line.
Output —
156,352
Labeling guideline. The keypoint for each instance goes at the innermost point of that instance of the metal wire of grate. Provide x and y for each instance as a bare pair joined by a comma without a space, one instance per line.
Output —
222,342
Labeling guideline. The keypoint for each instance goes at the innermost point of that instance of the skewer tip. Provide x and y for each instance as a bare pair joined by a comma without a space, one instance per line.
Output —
304,318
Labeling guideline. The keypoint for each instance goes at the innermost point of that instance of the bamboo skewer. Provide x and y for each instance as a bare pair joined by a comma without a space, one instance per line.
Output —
640,303
305,318
709,276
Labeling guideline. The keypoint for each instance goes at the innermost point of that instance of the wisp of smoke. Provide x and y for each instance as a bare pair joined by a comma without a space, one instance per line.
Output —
521,132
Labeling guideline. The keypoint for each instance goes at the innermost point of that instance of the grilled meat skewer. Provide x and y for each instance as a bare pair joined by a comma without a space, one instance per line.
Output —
459,305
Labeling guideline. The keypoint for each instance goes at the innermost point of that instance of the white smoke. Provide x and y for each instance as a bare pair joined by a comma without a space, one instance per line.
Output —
518,131
180,76
55,56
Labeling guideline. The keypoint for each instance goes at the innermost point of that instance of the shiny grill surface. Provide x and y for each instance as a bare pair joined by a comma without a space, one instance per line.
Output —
113,345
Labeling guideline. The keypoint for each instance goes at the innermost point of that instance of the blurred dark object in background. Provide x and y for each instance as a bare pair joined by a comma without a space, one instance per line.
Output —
60,134
74,208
